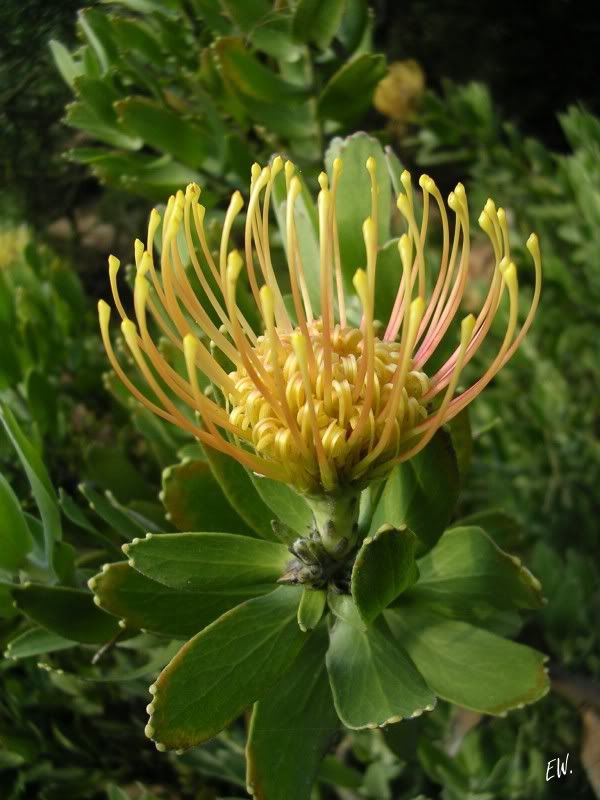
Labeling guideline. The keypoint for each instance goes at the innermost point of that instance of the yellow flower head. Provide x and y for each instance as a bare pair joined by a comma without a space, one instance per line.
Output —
310,399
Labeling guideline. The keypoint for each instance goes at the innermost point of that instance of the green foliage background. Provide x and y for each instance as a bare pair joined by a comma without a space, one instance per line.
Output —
160,93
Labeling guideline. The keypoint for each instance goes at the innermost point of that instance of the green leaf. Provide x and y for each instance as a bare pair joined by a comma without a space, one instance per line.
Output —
110,468
239,490
247,13
317,21
250,78
106,508
225,668
82,116
133,35
384,568
311,608
96,28
354,23
291,728
65,63
7,606
68,612
37,642
42,400
195,501
467,573
395,168
469,666
353,202
202,561
347,95
286,504
499,526
165,130
149,605
41,488
373,680
462,440
16,541
421,493
388,280
77,516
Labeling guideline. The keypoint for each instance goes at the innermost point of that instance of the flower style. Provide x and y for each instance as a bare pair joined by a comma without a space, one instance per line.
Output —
311,399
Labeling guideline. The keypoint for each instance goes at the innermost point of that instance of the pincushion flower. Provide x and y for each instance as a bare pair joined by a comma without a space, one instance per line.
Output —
310,399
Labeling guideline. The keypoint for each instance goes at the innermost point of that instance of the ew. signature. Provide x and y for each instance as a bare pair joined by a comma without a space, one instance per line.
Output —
557,768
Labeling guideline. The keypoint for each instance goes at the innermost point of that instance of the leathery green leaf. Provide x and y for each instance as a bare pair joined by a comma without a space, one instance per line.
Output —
384,568
224,668
466,570
68,612
202,561
311,608
373,680
286,504
152,606
353,201
470,666
292,727
15,539
421,493
195,501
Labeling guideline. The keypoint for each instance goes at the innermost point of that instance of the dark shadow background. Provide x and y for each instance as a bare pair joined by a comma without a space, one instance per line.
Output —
537,57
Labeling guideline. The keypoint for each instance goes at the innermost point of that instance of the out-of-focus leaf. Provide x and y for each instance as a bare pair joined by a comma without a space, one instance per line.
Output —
41,488
110,512
70,613
317,21
247,13
347,95
65,63
111,469
165,130
96,29
250,78
134,35
81,116
42,400
353,24
37,642
16,541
